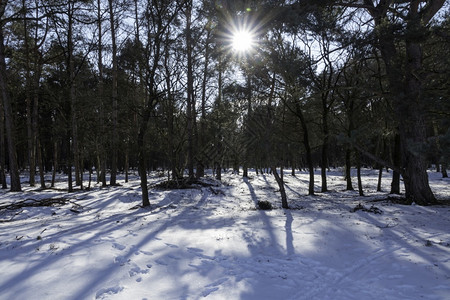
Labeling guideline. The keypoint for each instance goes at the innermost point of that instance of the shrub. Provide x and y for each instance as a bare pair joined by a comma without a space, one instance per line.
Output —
264,205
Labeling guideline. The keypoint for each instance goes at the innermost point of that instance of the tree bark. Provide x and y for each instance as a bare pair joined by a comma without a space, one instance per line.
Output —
358,171
406,90
307,145
380,176
114,138
396,160
324,154
246,159
55,163
2,148
29,99
9,122
41,165
203,123
101,166
190,92
280,182
348,168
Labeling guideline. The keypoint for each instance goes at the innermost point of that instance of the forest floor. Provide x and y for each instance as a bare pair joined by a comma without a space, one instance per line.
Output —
211,242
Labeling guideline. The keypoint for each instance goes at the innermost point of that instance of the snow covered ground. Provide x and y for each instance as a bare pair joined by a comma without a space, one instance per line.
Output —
212,243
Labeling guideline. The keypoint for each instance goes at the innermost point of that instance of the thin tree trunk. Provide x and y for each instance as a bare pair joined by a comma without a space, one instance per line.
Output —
72,139
348,152
203,123
307,145
380,175
55,163
28,101
358,171
101,165
190,92
90,178
41,165
127,165
348,168
280,182
2,148
9,122
396,160
142,161
114,139
218,159
324,160
249,116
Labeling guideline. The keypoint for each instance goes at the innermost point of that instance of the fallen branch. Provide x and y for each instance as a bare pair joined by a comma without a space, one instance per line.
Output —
35,203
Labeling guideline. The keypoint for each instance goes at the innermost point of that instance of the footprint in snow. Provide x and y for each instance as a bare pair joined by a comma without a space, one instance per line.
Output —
104,293
208,291
119,246
217,282
136,270
194,250
171,245
146,252
212,287
122,260
161,262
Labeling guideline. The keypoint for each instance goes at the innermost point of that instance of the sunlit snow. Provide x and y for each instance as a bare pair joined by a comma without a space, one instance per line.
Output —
212,243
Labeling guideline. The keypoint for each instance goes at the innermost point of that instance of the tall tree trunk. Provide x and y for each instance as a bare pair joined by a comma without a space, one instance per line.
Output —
218,156
413,131
348,152
170,107
2,148
249,116
114,138
203,123
404,71
190,91
29,100
307,145
72,140
100,99
324,154
9,122
141,155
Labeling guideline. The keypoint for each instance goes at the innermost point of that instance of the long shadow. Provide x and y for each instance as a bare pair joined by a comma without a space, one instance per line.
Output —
414,238
266,220
182,215
102,227
263,216
290,250
174,220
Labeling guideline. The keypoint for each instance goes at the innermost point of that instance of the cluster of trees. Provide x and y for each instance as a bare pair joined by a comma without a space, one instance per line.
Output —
109,85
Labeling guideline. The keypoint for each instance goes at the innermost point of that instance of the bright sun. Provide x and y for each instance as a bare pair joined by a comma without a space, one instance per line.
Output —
242,40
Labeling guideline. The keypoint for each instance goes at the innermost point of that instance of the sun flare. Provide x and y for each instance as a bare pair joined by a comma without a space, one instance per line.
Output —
242,41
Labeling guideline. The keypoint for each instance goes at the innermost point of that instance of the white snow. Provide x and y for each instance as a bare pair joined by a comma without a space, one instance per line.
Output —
212,243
